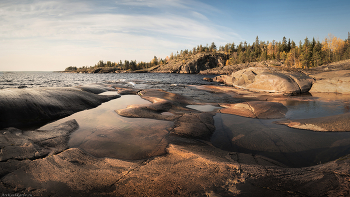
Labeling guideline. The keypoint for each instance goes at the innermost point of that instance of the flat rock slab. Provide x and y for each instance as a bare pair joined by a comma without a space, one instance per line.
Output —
337,123
333,81
270,80
191,169
195,125
33,106
18,144
70,173
256,109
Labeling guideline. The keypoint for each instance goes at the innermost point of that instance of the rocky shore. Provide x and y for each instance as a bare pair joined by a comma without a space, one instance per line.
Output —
184,161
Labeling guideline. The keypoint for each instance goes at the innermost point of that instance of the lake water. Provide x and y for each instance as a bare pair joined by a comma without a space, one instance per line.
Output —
56,79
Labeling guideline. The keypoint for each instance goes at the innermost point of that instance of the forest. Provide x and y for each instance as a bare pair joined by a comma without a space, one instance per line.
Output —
310,53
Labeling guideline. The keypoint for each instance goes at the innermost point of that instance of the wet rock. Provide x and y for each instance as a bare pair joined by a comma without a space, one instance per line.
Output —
220,78
334,81
207,79
34,106
256,109
270,80
196,125
330,123
95,88
153,110
127,91
161,102
18,144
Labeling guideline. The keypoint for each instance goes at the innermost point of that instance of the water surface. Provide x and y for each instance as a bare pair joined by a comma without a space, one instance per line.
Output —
292,147
103,133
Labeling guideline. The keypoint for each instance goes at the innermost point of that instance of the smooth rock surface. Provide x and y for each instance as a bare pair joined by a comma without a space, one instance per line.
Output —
20,145
195,125
256,109
333,81
95,88
189,169
28,107
270,80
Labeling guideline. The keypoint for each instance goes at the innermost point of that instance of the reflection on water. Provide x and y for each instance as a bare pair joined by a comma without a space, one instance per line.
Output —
292,147
103,133
314,109
203,108
109,93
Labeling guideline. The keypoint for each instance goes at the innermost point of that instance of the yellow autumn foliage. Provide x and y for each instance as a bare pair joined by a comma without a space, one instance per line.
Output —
333,44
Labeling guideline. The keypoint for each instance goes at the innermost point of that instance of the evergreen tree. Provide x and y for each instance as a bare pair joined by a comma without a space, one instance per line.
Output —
212,47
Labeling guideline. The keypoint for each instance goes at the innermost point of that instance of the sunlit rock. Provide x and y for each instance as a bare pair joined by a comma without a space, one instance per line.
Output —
256,109
334,81
270,80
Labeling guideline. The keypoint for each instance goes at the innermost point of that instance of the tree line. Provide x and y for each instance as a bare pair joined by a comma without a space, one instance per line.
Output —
304,55
126,65
310,53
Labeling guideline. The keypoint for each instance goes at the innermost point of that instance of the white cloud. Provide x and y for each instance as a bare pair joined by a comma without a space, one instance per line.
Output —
57,29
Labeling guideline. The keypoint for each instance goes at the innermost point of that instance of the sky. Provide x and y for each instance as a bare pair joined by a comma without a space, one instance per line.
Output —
44,35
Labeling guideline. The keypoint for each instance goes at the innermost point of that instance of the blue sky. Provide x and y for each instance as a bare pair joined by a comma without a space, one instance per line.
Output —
52,35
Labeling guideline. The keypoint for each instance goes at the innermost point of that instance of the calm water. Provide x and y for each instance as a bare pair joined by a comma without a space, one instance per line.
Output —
103,133
55,79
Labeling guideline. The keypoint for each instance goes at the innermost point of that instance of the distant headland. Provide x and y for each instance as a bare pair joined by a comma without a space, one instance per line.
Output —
201,59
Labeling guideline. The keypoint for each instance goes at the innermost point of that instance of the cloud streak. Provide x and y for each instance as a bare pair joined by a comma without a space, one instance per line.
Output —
122,30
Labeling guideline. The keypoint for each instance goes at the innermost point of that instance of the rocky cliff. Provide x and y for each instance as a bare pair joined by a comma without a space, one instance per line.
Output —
193,64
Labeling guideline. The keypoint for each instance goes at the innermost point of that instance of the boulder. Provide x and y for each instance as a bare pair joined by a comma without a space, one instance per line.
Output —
333,81
270,80
256,109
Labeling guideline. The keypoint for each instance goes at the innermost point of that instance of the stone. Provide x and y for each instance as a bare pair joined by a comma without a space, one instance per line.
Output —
220,78
18,144
189,168
94,88
333,81
270,80
36,106
207,79
153,110
256,109
195,125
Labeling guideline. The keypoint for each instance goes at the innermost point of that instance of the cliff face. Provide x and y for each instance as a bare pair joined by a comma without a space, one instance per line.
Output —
193,64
